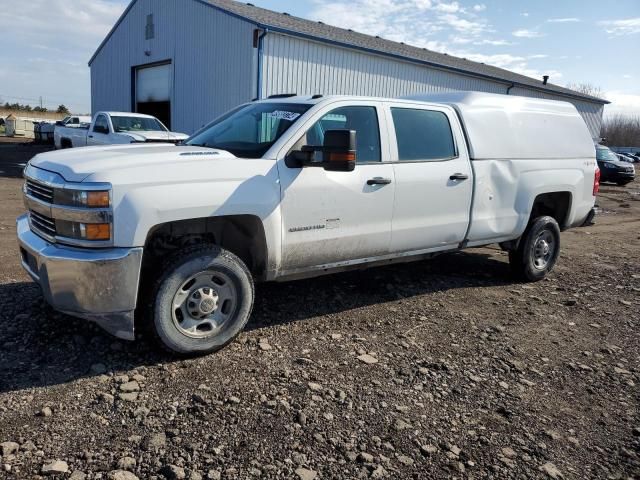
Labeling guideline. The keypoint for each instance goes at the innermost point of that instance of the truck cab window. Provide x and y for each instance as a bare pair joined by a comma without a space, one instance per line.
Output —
423,135
364,120
101,125
251,130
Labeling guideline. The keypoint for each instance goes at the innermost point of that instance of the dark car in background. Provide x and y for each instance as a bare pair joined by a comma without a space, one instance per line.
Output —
629,157
613,169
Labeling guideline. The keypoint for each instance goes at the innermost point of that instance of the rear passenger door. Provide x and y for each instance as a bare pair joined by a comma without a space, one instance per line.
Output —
433,178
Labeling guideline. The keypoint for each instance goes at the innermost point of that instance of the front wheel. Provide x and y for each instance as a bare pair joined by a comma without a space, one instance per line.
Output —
537,251
202,301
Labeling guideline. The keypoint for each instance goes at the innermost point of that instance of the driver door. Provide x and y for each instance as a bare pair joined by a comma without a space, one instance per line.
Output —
99,133
330,217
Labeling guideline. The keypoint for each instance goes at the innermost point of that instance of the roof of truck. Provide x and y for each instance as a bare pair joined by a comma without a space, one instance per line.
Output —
127,114
319,31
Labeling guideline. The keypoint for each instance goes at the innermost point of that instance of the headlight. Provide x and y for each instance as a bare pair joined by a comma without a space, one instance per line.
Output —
609,165
83,231
82,198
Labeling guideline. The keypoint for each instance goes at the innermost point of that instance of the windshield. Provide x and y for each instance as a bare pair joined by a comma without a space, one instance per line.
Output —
250,130
605,154
137,124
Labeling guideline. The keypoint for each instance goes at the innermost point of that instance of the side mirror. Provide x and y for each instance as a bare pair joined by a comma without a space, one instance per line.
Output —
338,152
59,123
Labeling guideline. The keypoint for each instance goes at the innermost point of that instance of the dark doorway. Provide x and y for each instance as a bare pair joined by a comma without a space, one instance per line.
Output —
152,90
160,110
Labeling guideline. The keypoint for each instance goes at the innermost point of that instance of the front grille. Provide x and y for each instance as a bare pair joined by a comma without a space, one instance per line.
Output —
43,223
39,191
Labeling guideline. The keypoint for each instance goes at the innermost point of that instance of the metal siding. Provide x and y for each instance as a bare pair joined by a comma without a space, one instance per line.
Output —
211,52
295,65
338,70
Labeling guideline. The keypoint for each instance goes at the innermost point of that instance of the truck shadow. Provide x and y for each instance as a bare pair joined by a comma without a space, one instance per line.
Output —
39,347
281,303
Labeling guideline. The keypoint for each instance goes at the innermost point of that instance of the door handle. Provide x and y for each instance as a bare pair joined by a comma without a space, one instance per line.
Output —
89,136
379,181
459,176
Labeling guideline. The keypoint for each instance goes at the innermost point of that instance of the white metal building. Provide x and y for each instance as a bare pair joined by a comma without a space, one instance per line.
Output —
188,61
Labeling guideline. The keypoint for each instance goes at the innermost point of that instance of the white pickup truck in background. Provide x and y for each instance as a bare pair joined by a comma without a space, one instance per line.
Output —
74,121
112,128
171,238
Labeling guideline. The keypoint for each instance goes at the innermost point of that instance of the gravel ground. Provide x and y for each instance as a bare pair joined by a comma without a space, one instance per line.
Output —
440,369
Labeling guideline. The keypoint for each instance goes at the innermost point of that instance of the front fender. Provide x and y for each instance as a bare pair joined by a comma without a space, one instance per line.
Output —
140,208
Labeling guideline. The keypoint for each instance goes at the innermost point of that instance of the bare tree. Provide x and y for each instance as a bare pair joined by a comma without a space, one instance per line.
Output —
621,131
587,89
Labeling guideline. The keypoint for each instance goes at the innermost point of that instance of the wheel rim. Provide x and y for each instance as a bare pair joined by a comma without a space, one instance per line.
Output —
543,250
204,305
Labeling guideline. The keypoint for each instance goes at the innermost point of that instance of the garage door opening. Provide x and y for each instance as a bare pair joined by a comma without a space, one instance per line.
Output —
153,91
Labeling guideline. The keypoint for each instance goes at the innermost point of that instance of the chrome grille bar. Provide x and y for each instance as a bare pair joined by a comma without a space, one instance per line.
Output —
45,224
39,190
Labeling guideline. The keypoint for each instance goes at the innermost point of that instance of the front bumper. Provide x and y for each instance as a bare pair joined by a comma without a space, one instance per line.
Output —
100,285
617,176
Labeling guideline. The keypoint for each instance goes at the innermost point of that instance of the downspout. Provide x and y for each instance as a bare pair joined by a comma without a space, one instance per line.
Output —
260,62
510,87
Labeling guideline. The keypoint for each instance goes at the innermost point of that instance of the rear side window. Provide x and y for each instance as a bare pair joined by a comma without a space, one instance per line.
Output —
422,135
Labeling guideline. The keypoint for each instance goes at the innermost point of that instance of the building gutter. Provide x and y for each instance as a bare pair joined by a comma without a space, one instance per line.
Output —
260,61
510,87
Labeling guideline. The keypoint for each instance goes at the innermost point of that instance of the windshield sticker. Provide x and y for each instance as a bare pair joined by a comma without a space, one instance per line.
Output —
290,116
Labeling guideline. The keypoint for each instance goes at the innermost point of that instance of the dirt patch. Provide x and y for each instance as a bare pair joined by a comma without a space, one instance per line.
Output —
435,369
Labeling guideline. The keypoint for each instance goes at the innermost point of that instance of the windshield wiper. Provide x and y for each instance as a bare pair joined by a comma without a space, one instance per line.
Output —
203,145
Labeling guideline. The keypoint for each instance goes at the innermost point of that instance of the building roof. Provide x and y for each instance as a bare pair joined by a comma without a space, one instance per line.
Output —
288,24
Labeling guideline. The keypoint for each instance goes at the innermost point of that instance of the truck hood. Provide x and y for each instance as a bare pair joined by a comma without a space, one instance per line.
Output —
156,136
101,163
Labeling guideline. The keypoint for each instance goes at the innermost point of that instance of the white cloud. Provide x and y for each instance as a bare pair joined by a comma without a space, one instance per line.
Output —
563,20
626,75
627,26
524,33
525,14
468,27
486,41
411,21
56,38
452,7
622,103
452,33
481,7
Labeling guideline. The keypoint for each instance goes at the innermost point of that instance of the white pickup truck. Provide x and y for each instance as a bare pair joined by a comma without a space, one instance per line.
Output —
173,238
74,121
113,128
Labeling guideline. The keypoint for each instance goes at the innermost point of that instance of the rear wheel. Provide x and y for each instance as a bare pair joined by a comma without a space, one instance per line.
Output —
202,301
537,251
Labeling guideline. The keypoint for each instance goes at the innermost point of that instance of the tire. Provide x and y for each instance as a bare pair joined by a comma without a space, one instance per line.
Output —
537,251
215,292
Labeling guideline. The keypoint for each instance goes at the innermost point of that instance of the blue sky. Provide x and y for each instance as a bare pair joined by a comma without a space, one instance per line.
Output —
579,41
